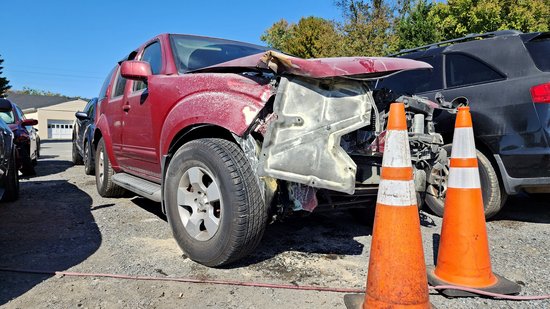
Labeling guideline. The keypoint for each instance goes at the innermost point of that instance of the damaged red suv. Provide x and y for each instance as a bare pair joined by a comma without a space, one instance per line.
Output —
229,136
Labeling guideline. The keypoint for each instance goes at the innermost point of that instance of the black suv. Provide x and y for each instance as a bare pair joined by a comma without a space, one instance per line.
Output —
505,78
83,133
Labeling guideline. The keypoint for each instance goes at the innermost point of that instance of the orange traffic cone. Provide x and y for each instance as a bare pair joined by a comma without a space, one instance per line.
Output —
396,277
463,258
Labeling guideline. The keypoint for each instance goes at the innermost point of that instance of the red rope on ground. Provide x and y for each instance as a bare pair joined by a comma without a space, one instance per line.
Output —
261,285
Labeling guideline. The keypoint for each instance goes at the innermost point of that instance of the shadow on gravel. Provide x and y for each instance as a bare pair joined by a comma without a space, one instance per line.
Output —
43,157
49,167
49,228
329,233
533,208
150,206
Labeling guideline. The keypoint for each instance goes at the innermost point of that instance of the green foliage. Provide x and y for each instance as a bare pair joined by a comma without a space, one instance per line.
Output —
46,93
380,27
460,17
415,28
32,91
4,82
277,35
367,28
310,37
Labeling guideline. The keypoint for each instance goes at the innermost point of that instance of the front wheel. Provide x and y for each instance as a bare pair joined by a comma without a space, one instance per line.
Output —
213,202
493,195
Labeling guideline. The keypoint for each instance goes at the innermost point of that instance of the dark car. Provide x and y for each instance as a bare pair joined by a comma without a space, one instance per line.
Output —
505,77
25,139
83,132
9,176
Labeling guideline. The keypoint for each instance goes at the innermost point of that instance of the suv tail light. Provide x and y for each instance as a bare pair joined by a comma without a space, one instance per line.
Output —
541,93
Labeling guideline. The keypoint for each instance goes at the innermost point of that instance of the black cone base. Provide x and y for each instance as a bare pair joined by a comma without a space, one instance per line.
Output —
503,286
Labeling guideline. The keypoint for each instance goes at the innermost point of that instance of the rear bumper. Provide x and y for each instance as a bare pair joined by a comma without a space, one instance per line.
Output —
514,185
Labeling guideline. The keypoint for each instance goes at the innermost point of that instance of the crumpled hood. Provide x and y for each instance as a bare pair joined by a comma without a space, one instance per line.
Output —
322,67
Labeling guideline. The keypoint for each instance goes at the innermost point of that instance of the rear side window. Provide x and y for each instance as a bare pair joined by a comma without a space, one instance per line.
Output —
416,81
120,83
461,70
540,52
103,91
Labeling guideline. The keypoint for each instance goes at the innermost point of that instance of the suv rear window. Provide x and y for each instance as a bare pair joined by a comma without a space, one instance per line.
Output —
415,81
540,52
461,70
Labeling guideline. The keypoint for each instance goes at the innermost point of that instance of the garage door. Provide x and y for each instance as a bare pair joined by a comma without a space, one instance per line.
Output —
60,129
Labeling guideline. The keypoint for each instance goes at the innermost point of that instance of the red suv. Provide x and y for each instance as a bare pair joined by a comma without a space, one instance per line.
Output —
230,135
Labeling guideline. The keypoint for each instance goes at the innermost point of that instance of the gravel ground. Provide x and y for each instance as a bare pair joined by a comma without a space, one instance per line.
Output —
60,223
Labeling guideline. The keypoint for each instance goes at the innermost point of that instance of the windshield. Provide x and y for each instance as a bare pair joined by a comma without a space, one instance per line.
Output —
193,53
8,117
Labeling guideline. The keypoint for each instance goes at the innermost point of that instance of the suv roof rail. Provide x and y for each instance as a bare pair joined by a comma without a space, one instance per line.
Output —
465,38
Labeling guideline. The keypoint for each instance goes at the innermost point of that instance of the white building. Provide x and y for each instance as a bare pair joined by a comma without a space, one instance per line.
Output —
55,114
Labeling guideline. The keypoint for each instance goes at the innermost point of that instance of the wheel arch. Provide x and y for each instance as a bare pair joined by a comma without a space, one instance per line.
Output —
189,134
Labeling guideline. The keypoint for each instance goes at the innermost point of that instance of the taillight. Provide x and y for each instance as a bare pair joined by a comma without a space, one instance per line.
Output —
541,93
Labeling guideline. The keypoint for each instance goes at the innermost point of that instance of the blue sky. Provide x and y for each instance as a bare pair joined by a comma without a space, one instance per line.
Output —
69,46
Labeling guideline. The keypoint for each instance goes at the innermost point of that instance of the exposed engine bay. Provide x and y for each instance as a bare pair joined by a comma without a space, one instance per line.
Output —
320,143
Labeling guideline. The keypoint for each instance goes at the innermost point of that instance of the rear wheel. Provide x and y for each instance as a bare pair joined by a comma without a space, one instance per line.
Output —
493,195
76,158
104,174
89,165
11,192
27,166
213,202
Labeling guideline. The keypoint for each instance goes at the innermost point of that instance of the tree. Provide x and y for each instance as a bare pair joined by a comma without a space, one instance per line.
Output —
38,92
277,35
4,82
368,27
380,27
311,37
415,27
460,17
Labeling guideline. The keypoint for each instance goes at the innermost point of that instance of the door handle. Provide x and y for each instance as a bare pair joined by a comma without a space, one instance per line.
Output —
126,107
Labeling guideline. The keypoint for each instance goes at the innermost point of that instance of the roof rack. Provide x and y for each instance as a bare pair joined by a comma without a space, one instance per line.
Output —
465,38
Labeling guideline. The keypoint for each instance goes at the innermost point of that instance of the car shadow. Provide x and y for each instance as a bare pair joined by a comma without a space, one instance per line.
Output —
328,233
50,228
148,205
50,167
331,233
526,208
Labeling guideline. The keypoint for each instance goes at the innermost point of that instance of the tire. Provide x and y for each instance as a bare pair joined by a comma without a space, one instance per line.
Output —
494,196
37,153
38,148
11,184
237,210
27,166
76,158
104,176
89,164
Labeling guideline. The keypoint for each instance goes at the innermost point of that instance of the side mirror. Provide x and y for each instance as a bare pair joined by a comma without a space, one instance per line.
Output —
82,116
5,106
29,122
135,70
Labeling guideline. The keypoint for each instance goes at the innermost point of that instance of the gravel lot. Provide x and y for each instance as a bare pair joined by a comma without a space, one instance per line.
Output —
60,223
